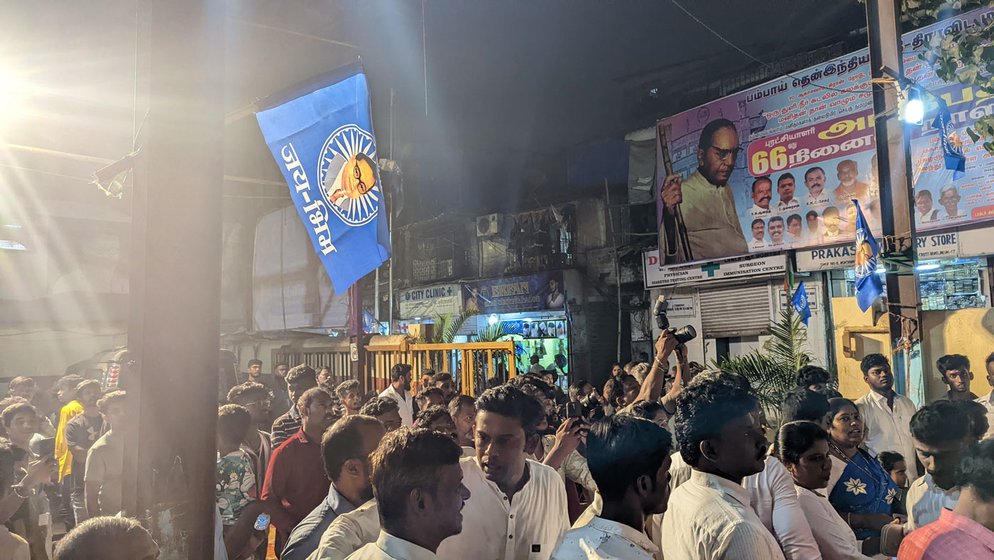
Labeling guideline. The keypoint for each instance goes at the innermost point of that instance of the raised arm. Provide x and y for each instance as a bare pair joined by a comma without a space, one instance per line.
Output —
656,378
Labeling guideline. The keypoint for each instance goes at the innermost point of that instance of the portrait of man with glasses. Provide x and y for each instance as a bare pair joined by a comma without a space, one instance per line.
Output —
698,216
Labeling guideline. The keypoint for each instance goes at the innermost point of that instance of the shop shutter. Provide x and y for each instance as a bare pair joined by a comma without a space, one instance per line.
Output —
735,311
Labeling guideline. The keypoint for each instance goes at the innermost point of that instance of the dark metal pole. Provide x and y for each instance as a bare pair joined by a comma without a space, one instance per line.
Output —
894,178
173,331
357,350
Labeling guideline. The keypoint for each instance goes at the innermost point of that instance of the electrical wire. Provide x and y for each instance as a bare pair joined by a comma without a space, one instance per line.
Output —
765,64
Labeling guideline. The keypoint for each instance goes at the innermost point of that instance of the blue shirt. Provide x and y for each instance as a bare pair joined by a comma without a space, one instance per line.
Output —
306,536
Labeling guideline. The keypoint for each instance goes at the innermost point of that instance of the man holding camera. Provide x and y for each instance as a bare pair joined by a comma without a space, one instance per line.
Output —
667,343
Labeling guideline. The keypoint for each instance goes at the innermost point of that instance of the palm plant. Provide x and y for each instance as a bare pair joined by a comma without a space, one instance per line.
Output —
492,333
773,370
447,326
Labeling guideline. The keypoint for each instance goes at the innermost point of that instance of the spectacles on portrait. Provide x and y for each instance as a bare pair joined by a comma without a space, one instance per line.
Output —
723,154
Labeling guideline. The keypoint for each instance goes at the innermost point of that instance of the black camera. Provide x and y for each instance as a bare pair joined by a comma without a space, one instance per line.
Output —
683,334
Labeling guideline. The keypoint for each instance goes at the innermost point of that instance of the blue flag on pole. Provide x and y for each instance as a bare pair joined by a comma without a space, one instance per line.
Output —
952,146
322,139
800,303
868,285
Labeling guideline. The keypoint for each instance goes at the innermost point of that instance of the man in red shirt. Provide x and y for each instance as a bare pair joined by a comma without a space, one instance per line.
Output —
966,531
296,481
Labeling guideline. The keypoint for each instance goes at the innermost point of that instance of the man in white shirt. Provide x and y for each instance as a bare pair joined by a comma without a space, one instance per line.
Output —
776,227
517,508
942,432
794,229
886,415
814,180
758,240
771,491
924,211
949,200
988,399
400,391
629,460
813,230
418,485
721,436
785,188
762,194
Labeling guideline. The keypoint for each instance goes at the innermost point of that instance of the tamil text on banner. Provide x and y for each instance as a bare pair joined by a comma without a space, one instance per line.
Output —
538,292
776,166
322,139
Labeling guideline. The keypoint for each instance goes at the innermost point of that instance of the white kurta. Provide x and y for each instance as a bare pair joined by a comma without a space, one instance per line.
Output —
406,404
835,539
709,518
601,539
527,526
926,501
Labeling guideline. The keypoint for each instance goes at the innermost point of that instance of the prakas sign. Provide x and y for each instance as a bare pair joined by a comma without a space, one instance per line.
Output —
444,299
949,245
656,277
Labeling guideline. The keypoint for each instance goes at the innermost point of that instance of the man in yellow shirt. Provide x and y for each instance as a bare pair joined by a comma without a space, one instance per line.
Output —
66,392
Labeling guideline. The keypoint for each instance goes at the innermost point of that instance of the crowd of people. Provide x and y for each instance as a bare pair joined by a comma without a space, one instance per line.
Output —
673,462
59,465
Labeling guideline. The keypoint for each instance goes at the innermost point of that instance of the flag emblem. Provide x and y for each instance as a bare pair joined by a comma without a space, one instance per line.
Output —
348,175
801,304
866,262
868,285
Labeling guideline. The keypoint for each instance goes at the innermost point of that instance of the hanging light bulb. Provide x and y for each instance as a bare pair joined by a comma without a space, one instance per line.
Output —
914,109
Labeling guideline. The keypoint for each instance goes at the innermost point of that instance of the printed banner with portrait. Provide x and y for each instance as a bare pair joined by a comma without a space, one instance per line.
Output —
538,292
777,166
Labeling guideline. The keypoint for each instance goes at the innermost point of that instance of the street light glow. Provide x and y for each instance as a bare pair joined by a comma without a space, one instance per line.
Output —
914,109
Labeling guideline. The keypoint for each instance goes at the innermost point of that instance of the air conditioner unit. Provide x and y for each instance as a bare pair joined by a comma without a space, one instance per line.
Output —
488,225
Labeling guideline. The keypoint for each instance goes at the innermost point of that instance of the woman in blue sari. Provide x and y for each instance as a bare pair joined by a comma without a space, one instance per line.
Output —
859,488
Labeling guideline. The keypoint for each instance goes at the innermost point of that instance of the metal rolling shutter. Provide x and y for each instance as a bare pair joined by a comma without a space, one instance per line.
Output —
735,311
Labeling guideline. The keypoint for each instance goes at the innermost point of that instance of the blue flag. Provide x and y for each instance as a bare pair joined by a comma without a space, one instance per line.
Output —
952,146
322,139
868,285
800,303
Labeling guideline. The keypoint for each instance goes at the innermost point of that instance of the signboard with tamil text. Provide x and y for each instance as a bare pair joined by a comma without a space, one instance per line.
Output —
776,166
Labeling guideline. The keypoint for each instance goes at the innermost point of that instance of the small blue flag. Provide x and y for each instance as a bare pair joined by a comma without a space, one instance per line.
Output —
322,138
952,146
868,285
800,303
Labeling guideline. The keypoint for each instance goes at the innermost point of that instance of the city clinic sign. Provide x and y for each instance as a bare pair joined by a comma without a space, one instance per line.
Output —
431,301
948,245
658,277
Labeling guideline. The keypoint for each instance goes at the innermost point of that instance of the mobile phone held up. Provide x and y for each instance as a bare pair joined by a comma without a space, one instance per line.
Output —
262,522
574,410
